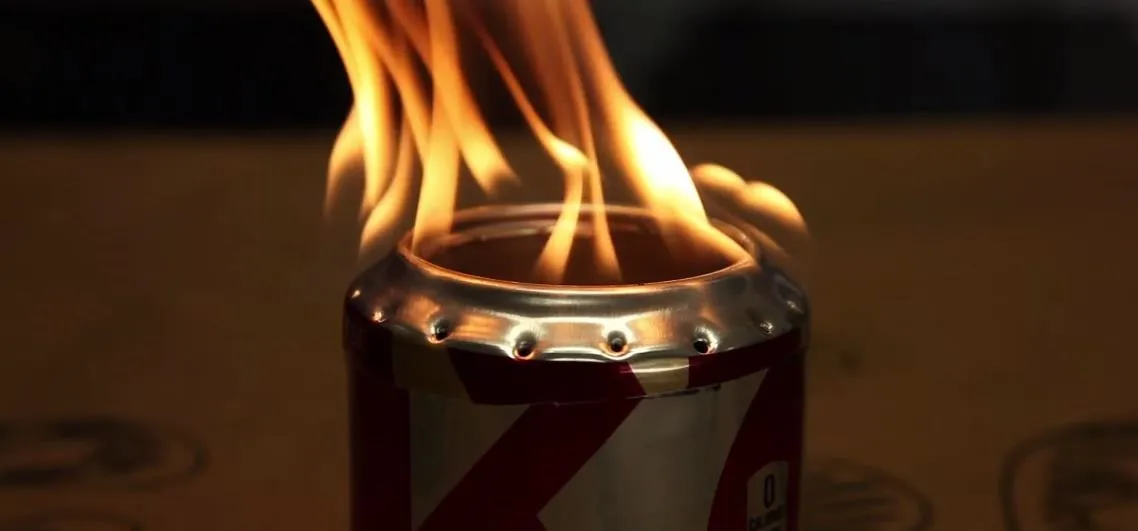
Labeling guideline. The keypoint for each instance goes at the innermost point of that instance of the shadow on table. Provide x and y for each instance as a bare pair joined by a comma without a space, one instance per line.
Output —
96,453
1078,478
841,495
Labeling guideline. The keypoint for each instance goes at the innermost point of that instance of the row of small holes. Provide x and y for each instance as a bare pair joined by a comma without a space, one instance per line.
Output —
525,345
617,343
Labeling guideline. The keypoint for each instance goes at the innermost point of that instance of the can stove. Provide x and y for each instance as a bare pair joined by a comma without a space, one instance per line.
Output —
484,404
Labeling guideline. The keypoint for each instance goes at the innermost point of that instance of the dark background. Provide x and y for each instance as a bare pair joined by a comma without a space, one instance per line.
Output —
269,64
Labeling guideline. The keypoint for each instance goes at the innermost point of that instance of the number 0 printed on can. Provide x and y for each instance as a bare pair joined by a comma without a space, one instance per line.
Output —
766,498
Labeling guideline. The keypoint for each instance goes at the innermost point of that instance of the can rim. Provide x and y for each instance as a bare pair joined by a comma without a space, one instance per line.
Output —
737,305
502,214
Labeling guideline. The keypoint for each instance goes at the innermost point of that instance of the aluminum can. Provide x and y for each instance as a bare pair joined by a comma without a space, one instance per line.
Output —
659,405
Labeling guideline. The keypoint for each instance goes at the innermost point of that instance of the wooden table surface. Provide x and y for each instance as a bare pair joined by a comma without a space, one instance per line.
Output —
170,338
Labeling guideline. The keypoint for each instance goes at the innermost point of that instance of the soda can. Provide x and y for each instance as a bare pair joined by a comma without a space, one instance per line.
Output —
481,402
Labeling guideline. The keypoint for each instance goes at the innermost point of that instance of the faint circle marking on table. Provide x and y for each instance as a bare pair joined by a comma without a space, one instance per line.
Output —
96,452
841,495
1080,477
71,520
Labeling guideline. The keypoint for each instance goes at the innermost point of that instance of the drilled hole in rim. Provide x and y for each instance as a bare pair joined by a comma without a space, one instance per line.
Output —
701,345
506,247
525,346
789,295
441,330
617,343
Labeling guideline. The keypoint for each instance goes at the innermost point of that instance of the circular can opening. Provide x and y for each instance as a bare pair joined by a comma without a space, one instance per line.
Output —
503,243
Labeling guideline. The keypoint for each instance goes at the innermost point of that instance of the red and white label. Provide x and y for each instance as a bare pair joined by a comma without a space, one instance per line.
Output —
726,460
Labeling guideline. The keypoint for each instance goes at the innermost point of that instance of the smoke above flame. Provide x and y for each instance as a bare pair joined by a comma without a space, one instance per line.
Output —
415,124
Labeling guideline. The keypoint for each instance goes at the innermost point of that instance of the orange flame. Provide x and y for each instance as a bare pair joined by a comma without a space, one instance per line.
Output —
414,109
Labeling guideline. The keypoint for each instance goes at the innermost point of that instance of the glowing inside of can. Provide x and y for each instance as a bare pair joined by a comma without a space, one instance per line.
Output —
503,243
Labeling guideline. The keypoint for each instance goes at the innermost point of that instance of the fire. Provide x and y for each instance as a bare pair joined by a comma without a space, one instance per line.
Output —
415,124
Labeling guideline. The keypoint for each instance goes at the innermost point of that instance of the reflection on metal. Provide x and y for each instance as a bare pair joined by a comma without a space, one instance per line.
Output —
70,520
840,495
95,453
720,306
1078,478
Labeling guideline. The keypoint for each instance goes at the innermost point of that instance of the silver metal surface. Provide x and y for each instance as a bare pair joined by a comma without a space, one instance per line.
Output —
740,305
657,472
